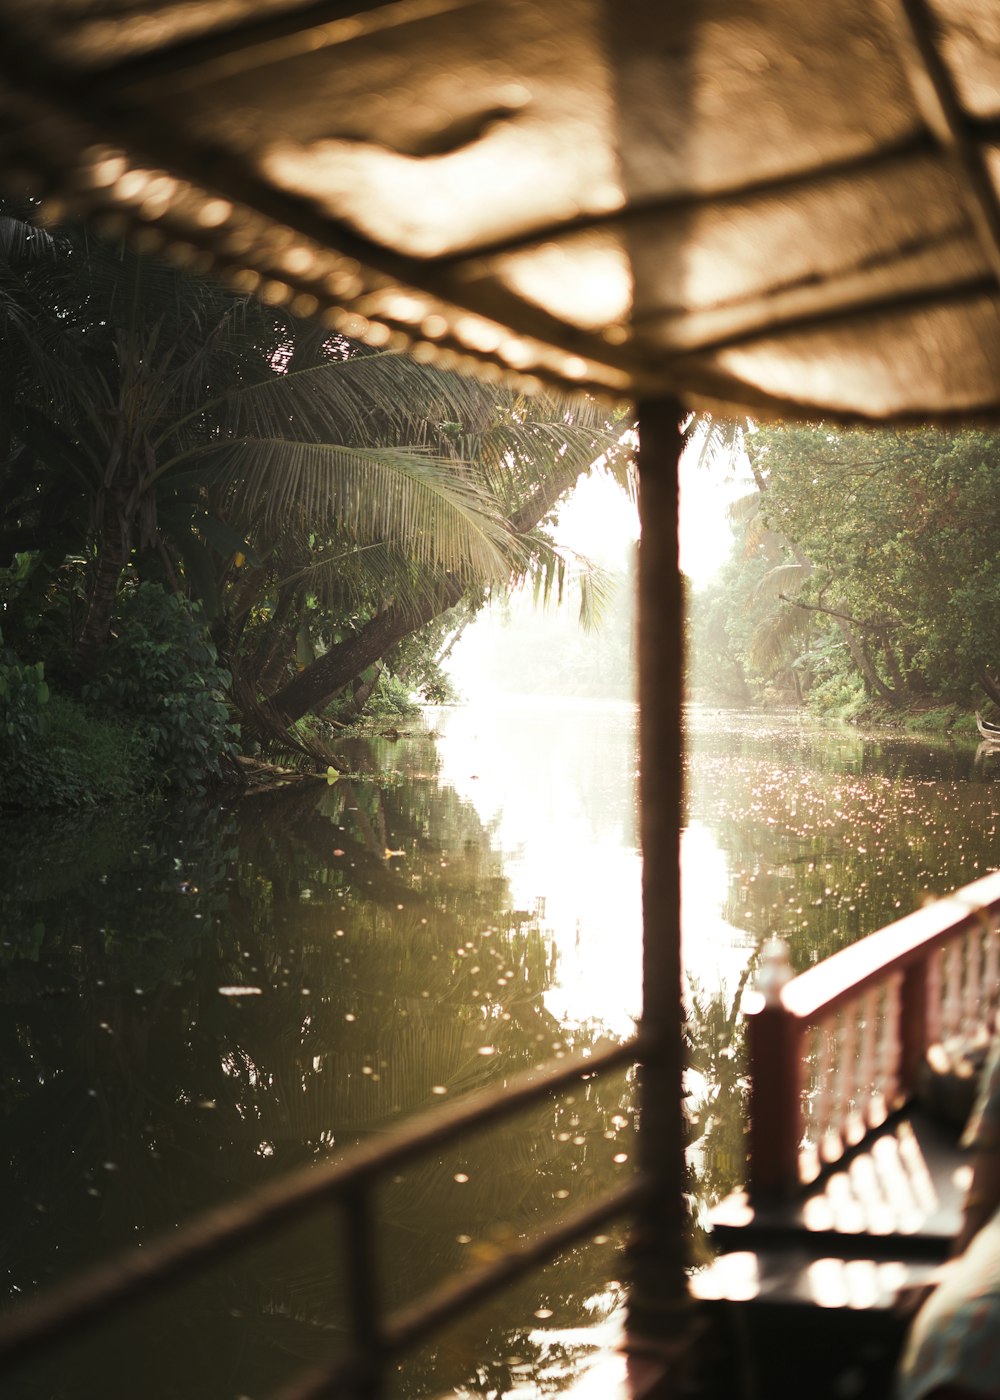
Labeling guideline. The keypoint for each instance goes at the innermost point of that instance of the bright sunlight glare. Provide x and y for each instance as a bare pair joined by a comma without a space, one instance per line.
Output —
599,522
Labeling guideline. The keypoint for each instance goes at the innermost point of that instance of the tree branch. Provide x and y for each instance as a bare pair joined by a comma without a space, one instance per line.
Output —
877,627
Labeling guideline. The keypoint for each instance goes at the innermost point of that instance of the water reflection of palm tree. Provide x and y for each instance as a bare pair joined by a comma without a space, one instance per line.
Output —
160,1096
716,1112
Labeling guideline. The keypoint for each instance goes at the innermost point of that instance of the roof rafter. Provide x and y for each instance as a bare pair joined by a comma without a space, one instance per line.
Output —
937,97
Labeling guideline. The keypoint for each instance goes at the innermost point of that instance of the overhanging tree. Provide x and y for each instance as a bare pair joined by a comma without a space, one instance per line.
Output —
262,465
525,455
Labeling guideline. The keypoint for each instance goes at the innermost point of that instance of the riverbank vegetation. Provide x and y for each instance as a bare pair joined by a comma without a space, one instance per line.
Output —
220,521
864,579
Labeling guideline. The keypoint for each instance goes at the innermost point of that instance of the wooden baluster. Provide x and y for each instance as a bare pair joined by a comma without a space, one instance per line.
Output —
919,1008
972,1011
814,1125
827,1142
935,1027
951,1010
991,970
809,1058
866,1062
890,1042
851,1127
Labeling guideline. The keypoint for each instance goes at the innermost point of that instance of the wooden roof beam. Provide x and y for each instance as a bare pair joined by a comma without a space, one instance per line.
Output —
937,97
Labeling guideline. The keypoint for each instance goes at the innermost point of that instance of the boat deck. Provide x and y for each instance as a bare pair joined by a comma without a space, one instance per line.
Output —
810,1284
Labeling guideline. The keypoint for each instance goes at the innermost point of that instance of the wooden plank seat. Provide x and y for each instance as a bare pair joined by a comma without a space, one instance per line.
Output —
881,1220
790,1277
785,1320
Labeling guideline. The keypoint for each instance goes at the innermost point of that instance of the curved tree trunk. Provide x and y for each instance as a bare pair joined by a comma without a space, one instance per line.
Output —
989,685
314,687
859,654
900,684
270,661
362,690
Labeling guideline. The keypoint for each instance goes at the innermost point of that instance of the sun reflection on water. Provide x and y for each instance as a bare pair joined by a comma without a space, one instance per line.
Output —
556,780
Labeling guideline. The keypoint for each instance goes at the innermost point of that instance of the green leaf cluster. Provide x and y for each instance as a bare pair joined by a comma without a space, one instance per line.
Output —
162,673
74,760
24,695
870,567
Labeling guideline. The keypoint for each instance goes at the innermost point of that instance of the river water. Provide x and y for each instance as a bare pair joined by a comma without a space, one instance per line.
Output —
196,1000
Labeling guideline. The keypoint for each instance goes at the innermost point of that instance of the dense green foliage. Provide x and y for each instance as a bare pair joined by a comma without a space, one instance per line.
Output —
320,500
66,756
56,751
870,569
161,673
24,696
717,637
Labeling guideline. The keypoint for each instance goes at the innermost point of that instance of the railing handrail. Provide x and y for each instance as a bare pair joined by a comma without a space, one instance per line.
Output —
410,1324
821,989
137,1274
900,956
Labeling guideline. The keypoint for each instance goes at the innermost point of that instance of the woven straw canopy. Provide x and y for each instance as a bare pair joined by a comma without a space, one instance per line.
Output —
759,205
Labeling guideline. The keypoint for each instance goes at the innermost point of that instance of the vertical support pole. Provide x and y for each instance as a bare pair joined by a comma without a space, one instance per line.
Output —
659,1297
366,1329
774,1042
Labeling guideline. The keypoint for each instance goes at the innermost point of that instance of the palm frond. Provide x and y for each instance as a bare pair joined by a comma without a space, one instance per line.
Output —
356,580
376,397
718,441
776,638
744,509
597,589
398,495
782,579
761,539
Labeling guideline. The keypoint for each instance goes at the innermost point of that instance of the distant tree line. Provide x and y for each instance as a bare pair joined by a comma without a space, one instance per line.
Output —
866,569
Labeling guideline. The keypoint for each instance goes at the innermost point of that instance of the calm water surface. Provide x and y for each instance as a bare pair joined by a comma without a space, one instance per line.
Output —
194,1001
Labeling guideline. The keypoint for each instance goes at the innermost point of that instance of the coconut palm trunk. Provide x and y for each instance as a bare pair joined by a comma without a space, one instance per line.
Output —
316,686
318,683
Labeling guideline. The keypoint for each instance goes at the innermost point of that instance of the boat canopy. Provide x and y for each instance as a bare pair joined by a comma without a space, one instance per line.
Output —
759,207
750,207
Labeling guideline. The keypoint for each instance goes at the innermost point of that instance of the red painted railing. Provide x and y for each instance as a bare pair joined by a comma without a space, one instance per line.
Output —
835,1050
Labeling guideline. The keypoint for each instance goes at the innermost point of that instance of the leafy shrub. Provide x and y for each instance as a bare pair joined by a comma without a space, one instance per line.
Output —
38,600
23,698
162,673
439,690
53,753
75,760
391,697
839,696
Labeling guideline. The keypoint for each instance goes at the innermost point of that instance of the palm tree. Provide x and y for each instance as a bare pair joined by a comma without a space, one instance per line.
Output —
518,458
245,457
105,352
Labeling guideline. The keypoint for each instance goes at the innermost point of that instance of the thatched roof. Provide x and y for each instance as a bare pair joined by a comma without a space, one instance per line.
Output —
784,205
